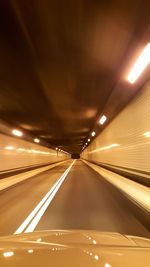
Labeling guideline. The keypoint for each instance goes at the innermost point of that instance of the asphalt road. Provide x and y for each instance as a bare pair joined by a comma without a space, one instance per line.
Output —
83,201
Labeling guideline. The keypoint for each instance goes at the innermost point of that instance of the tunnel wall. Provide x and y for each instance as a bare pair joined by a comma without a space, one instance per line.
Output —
17,153
125,142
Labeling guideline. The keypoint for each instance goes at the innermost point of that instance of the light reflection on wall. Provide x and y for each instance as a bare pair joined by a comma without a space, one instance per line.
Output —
103,148
18,153
130,129
11,148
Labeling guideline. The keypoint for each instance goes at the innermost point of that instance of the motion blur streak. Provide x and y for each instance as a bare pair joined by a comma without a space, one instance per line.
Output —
85,200
25,153
104,148
137,192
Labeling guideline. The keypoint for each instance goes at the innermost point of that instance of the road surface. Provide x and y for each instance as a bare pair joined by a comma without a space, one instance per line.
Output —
79,199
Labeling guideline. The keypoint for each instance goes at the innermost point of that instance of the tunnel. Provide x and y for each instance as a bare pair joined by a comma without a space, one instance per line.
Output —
75,117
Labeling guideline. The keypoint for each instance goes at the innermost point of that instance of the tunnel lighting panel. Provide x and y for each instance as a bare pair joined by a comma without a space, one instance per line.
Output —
17,133
102,119
147,134
8,254
36,140
93,133
30,250
107,265
140,65
89,140
56,148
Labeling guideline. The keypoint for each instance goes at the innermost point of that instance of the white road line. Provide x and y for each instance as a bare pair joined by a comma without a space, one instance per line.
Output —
42,206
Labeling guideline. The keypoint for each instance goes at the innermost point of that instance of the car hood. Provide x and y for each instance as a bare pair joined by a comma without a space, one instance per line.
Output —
75,249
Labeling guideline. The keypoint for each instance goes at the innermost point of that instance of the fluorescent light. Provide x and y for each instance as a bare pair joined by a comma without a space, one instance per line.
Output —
36,140
17,132
8,254
102,119
147,134
30,250
107,265
141,63
93,133
89,140
96,257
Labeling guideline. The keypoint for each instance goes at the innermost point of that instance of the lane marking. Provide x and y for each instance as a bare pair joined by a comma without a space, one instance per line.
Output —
39,210
38,216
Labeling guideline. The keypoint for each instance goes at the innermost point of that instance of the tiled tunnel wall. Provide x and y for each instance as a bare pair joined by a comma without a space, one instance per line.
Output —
125,141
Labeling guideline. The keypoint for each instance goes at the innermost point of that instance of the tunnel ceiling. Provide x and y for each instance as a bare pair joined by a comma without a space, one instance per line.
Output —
60,61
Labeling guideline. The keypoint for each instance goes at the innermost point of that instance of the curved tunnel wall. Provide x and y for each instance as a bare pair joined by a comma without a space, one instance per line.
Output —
17,153
125,142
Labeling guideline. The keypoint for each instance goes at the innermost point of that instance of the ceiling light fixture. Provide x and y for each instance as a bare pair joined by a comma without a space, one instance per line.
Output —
89,140
17,132
140,65
93,133
36,140
8,254
147,134
102,119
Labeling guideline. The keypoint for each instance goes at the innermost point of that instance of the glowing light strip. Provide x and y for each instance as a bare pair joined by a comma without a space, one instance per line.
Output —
140,65
102,119
103,148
